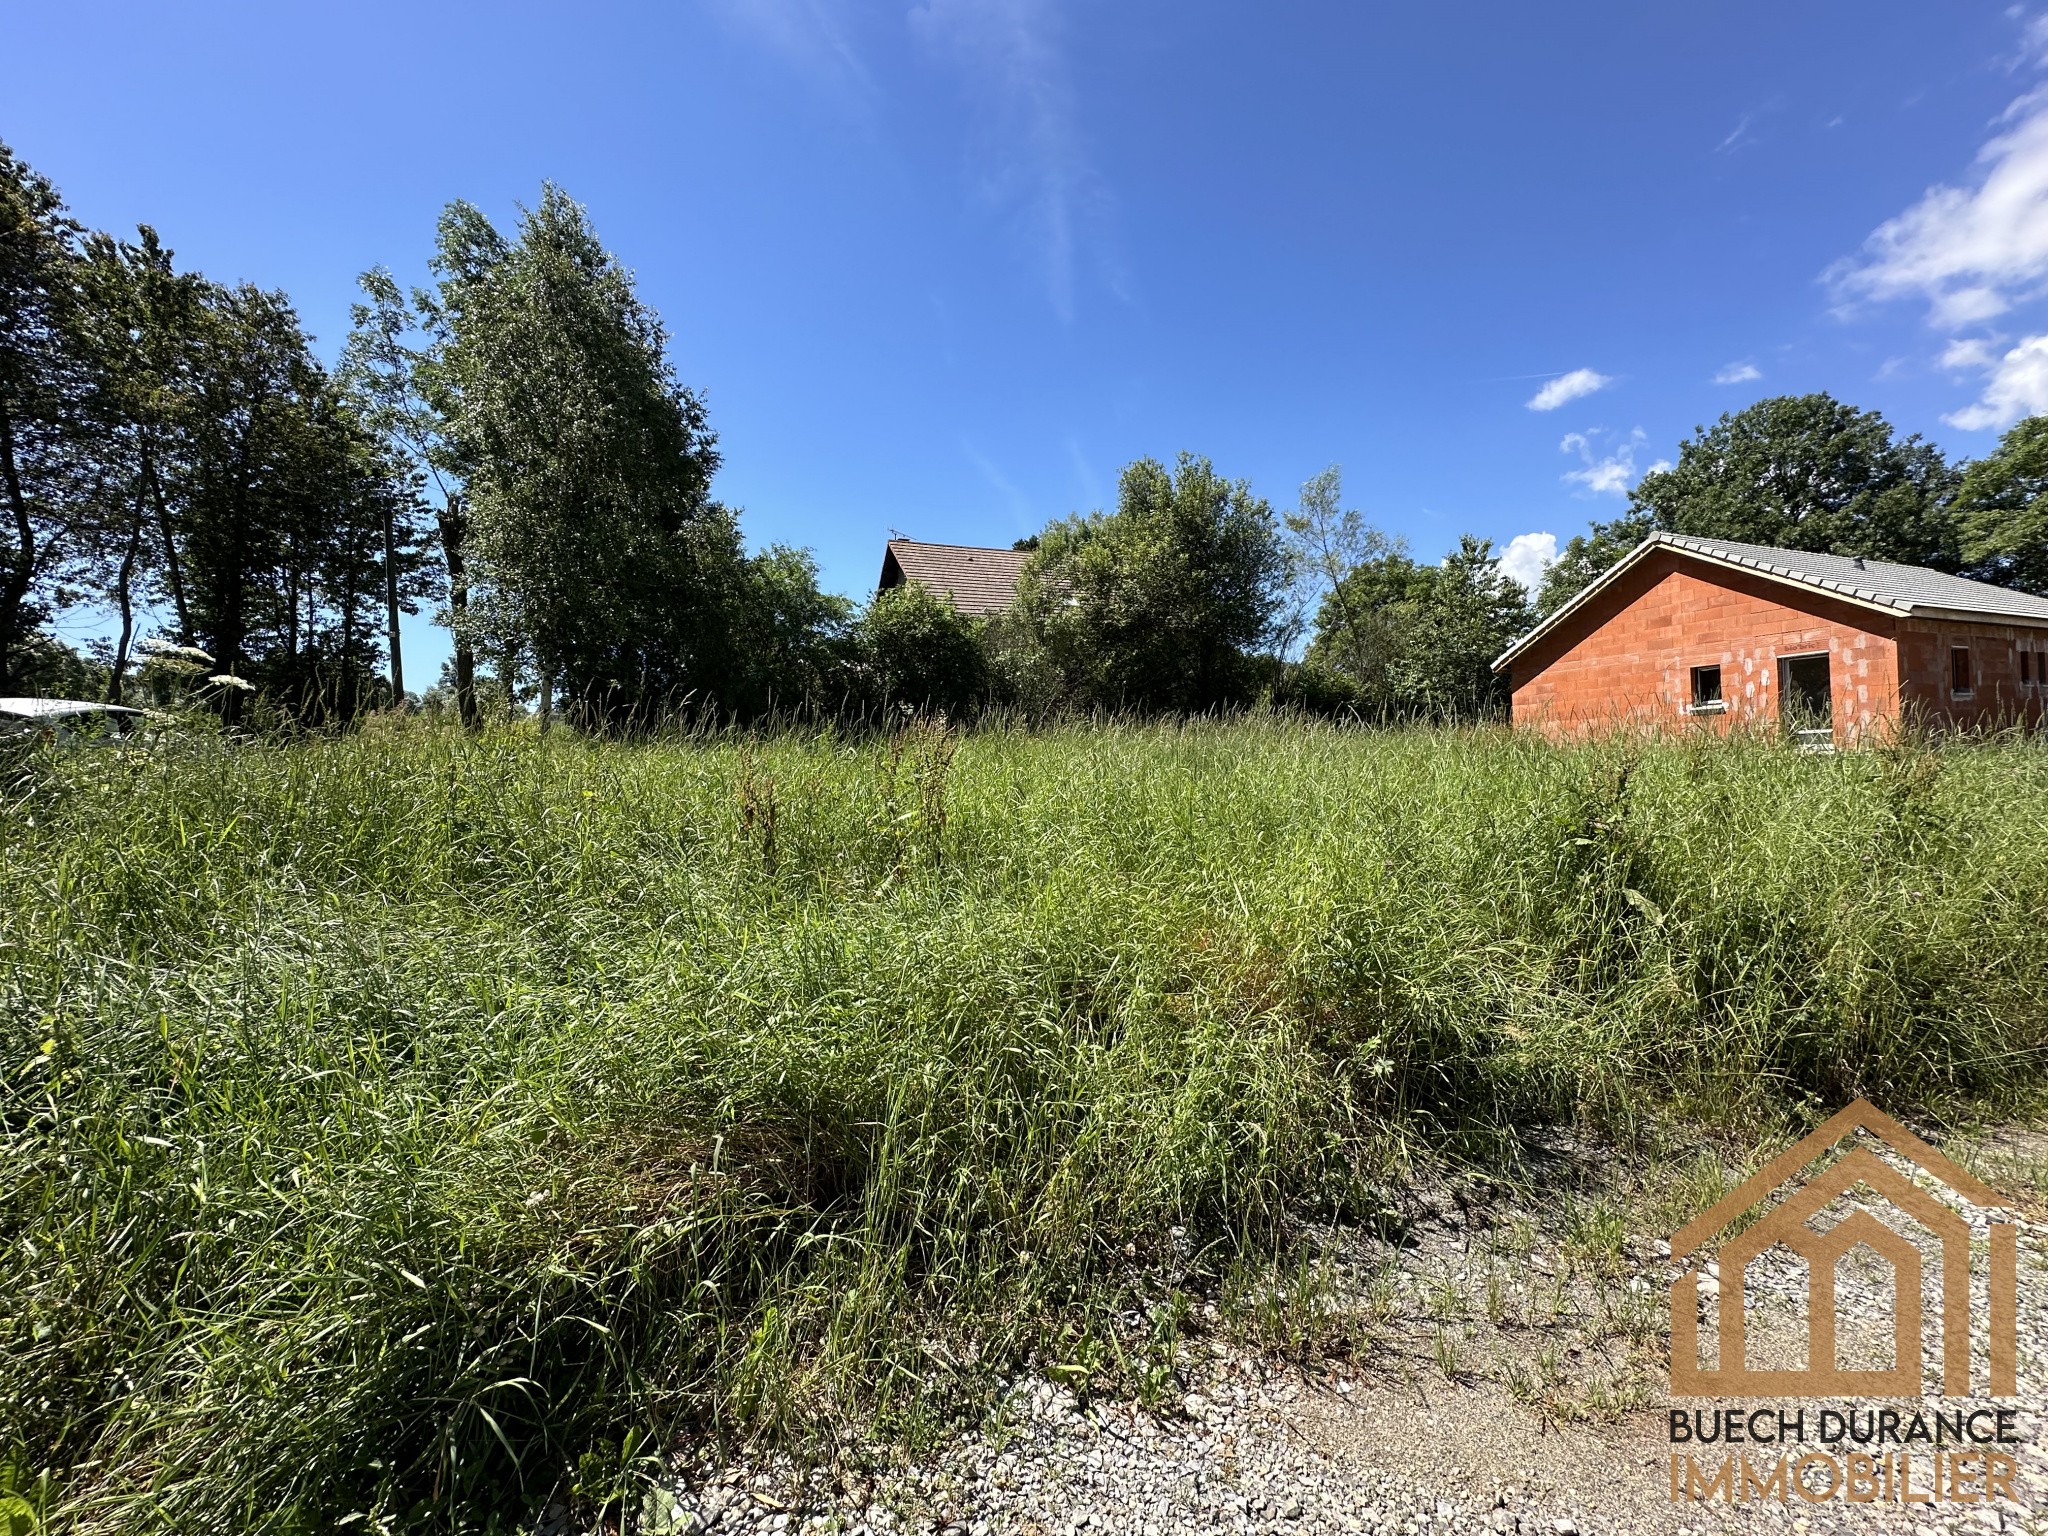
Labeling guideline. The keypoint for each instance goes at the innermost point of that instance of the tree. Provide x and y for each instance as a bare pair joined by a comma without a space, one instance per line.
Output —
242,520
1467,614
387,365
2002,507
50,669
282,505
1157,604
917,649
41,392
1326,543
594,547
788,640
135,320
1794,472
165,438
1419,640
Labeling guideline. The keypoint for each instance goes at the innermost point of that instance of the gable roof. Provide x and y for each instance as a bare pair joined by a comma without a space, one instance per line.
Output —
979,581
1906,591
1859,1116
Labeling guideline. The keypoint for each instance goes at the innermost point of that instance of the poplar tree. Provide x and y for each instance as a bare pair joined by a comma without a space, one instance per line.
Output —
596,553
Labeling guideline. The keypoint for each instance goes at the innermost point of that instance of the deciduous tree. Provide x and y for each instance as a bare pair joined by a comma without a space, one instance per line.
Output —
917,650
1794,472
135,322
1419,640
388,366
42,389
2002,506
1158,604
594,545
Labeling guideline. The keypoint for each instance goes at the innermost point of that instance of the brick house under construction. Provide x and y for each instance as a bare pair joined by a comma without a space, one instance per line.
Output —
1705,631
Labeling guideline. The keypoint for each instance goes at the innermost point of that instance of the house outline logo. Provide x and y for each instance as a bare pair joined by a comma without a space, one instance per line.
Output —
1787,1225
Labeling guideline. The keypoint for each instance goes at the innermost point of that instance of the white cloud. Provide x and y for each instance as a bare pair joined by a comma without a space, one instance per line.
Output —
2033,40
1610,473
1567,387
1527,557
1009,54
2018,385
1738,373
1973,353
1970,252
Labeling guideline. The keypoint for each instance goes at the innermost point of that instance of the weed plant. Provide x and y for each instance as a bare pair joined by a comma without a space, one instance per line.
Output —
412,1127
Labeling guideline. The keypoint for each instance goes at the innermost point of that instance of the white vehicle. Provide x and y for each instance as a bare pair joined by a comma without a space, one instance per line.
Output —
67,720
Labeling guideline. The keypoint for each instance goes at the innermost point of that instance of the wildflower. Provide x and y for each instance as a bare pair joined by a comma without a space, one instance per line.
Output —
165,649
229,680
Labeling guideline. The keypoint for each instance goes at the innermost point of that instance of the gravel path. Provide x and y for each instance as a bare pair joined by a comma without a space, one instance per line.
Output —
1269,1449
1388,1444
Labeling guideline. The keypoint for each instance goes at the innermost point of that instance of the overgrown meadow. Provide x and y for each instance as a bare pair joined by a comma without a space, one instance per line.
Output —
421,1126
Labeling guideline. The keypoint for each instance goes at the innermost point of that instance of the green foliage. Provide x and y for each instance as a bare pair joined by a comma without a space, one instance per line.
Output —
413,1124
1157,605
47,668
1325,542
1808,472
42,388
391,350
1795,472
1589,555
1391,638
789,640
281,513
2002,505
1419,640
134,319
594,546
917,650
168,441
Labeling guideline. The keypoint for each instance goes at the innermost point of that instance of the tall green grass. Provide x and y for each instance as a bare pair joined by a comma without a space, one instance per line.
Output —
417,1126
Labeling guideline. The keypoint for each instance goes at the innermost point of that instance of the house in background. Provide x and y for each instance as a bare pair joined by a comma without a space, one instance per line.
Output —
1704,630
979,581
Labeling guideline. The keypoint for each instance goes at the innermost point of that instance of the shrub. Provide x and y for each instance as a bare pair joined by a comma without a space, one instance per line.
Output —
918,650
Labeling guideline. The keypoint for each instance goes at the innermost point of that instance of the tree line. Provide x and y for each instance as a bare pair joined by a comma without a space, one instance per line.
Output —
170,445
1808,472
510,445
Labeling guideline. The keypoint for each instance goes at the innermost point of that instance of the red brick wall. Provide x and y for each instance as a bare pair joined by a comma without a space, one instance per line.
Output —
1997,695
1627,657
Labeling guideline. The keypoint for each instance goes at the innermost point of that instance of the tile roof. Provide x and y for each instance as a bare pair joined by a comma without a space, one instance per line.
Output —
1912,588
979,581
1906,590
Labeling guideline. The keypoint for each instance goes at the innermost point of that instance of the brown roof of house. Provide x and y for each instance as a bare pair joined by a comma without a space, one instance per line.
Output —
979,581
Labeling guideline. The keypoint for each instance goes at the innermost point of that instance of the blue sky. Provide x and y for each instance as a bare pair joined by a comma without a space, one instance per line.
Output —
944,266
